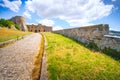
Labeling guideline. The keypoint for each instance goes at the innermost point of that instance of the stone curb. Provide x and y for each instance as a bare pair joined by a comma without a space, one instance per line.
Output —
3,44
36,71
43,75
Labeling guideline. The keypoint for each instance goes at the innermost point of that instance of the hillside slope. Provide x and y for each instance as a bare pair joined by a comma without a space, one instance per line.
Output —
69,60
7,34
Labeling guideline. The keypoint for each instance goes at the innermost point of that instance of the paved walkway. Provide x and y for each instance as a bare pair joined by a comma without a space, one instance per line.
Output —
16,60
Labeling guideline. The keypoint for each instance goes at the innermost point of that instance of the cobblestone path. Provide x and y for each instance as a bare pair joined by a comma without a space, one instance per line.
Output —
16,60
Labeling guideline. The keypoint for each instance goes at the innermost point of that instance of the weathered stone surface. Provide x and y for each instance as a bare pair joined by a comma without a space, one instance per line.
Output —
112,42
39,28
20,21
93,33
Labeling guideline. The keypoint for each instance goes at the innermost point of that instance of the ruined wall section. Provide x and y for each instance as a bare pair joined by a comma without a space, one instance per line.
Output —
95,33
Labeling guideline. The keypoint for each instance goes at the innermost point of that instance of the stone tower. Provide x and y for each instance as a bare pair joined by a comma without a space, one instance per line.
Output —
20,20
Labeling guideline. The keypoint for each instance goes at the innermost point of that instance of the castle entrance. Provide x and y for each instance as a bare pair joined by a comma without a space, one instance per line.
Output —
35,31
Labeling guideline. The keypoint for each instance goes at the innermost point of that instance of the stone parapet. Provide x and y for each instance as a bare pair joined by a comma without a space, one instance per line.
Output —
94,33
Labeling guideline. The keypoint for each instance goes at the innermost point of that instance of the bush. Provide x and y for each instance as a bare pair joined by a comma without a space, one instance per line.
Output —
3,23
93,46
6,23
112,52
17,26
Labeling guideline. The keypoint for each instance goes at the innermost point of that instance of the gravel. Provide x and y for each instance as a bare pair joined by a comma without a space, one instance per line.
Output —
16,60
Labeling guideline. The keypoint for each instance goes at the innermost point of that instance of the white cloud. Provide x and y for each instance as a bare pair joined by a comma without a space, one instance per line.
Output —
12,5
49,22
27,14
57,28
75,12
46,22
32,23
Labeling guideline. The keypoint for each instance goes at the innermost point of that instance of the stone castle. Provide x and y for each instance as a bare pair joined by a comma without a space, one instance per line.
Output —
39,28
32,28
98,34
20,21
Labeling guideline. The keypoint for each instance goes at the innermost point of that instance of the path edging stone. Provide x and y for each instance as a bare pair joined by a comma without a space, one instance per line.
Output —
43,75
5,43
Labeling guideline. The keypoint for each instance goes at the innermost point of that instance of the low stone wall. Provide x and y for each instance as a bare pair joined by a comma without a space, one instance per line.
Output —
3,44
95,33
109,41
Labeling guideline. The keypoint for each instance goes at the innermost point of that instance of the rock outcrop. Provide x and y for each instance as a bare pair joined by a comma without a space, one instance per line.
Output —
20,21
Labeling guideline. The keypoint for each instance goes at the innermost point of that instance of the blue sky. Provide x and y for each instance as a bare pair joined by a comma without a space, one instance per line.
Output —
64,13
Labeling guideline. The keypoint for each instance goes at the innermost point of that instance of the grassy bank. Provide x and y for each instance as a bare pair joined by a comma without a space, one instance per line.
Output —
8,34
68,60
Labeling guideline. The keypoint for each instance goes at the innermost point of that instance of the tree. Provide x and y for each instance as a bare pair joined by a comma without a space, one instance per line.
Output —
6,23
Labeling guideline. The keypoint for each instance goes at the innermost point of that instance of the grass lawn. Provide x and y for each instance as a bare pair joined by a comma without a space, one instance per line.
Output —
7,34
68,60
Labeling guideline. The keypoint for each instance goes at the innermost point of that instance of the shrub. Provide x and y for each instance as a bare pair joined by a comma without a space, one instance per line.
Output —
112,52
17,26
93,46
6,23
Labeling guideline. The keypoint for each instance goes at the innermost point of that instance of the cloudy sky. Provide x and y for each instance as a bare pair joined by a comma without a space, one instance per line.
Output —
63,14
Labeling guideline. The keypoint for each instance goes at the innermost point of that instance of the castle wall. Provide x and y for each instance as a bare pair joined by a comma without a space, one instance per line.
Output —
20,21
109,41
95,33
39,28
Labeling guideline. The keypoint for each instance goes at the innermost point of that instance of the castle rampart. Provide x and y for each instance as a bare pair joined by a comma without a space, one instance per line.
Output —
96,33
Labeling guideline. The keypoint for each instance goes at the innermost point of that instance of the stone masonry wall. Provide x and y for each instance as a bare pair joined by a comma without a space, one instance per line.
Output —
20,20
109,41
95,33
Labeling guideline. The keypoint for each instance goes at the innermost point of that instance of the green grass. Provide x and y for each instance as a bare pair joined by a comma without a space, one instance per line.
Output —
68,60
8,34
